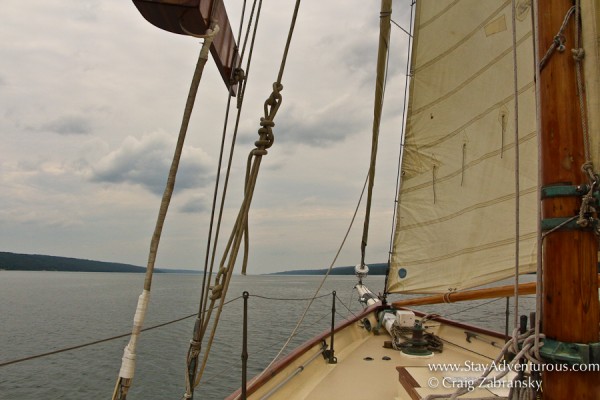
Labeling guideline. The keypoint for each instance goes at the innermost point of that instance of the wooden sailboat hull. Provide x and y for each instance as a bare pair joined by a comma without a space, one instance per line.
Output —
366,369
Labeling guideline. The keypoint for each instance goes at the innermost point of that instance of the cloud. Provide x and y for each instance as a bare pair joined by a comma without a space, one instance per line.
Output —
146,162
86,11
324,127
319,125
196,204
69,125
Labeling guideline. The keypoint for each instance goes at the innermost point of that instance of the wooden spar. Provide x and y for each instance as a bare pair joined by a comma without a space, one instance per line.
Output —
570,293
478,294
452,297
192,17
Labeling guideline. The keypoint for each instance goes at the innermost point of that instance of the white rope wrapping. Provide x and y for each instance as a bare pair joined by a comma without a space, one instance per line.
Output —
128,360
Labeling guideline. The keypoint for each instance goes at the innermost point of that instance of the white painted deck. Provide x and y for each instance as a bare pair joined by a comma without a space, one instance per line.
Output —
400,377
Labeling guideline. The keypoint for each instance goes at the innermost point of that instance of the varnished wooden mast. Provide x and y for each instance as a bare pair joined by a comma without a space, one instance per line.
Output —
570,295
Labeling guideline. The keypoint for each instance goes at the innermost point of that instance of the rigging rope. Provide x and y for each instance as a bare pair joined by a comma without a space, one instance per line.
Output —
517,165
382,60
241,92
128,364
200,326
239,78
539,244
290,299
305,312
578,54
223,277
197,334
559,40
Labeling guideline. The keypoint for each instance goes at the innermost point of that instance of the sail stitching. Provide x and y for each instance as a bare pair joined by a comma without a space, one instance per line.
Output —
439,14
468,80
453,174
471,250
466,37
466,210
493,107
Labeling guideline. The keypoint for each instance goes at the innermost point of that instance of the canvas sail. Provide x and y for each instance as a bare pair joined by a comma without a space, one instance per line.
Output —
455,225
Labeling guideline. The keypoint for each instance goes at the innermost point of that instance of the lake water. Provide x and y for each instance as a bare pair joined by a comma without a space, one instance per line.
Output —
45,311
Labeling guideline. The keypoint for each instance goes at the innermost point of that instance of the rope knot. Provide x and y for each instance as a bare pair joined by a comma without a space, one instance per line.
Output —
588,168
259,152
265,133
237,76
559,42
578,54
277,87
216,292
266,123
221,272
273,101
195,345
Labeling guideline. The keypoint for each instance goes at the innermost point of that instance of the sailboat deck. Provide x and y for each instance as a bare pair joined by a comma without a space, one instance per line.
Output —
364,372
365,369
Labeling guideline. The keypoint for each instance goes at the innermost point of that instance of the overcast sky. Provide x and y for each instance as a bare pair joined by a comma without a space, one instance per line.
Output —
91,98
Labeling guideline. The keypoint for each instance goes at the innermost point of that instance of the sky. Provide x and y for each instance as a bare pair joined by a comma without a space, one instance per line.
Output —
91,100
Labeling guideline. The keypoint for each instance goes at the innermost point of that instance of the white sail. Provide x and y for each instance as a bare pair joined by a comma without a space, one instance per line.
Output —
455,227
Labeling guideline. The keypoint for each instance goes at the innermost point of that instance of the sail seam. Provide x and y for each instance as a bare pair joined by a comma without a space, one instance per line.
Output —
466,37
470,250
439,14
477,118
453,174
469,79
466,210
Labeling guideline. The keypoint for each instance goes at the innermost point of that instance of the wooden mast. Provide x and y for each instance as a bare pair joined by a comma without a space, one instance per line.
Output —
570,295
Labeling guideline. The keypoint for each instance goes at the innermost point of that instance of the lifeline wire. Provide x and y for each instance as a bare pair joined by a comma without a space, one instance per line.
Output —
108,339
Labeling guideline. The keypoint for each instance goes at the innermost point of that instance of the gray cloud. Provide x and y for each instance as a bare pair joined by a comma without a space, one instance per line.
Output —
196,204
146,162
86,10
323,127
69,125
107,74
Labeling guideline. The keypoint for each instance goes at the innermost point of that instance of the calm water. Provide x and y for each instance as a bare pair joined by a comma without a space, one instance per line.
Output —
45,311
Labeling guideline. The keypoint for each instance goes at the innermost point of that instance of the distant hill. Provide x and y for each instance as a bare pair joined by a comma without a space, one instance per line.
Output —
37,262
374,269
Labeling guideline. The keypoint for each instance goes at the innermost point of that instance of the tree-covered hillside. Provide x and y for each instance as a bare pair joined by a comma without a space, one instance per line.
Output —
36,262
374,269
